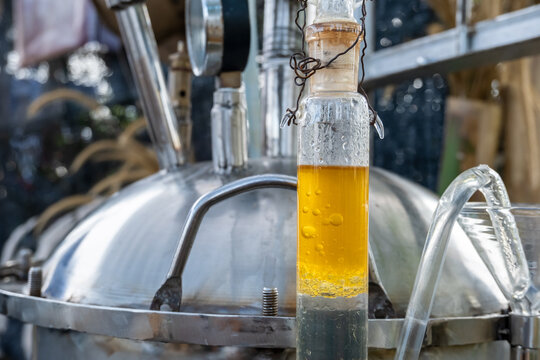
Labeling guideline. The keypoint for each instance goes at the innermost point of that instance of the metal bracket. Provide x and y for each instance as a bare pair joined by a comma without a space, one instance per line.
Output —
170,293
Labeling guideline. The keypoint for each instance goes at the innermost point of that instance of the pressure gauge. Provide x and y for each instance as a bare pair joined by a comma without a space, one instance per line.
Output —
218,35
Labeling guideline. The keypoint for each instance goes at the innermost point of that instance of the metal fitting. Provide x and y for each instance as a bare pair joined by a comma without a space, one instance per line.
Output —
525,331
35,277
519,353
270,302
524,336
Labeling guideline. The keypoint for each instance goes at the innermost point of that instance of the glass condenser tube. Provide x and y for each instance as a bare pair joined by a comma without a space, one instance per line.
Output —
333,160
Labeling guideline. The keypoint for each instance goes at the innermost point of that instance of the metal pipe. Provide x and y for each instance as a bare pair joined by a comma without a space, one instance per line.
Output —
180,92
280,39
229,130
141,49
170,293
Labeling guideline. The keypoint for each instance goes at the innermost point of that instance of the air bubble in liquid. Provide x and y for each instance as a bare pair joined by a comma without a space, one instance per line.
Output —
336,219
309,232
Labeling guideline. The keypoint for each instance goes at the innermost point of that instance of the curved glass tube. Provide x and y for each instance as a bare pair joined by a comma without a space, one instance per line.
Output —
514,279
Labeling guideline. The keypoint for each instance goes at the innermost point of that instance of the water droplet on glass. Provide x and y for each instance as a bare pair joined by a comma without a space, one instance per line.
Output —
319,247
344,146
318,192
308,194
305,209
316,212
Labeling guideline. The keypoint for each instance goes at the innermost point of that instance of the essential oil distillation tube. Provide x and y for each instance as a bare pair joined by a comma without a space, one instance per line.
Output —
333,160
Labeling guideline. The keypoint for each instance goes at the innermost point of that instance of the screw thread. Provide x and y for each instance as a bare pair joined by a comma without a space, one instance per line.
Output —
270,302
35,277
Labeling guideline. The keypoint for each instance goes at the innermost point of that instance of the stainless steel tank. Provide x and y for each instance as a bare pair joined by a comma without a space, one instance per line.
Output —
102,278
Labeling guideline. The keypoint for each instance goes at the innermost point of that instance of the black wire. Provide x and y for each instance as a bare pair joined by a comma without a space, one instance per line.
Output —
305,66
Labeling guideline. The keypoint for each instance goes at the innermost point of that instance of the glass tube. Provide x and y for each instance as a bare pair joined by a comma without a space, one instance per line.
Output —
333,172
487,181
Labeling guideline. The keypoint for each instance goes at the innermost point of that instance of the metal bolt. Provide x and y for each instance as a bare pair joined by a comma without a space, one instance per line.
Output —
270,302
35,277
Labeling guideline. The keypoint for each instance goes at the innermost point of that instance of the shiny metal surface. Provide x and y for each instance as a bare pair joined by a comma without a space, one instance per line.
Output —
141,48
120,254
278,94
280,39
205,34
519,353
398,228
179,85
122,4
525,331
170,293
77,346
223,330
229,130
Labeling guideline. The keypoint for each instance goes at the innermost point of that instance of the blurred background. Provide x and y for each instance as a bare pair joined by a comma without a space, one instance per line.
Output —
71,127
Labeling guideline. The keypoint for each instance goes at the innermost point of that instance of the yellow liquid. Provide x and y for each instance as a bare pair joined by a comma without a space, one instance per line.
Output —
332,230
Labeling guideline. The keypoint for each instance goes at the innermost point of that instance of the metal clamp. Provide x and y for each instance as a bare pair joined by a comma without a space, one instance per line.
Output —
170,293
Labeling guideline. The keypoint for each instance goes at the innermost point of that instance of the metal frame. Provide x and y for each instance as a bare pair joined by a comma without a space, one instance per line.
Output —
506,37
223,330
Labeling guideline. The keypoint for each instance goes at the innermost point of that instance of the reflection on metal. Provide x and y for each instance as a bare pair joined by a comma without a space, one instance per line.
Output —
525,331
223,330
519,353
205,36
278,94
115,258
179,82
506,37
229,130
170,293
141,48
280,38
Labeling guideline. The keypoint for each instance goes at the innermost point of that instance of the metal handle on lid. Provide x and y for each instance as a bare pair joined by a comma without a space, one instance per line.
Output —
170,293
